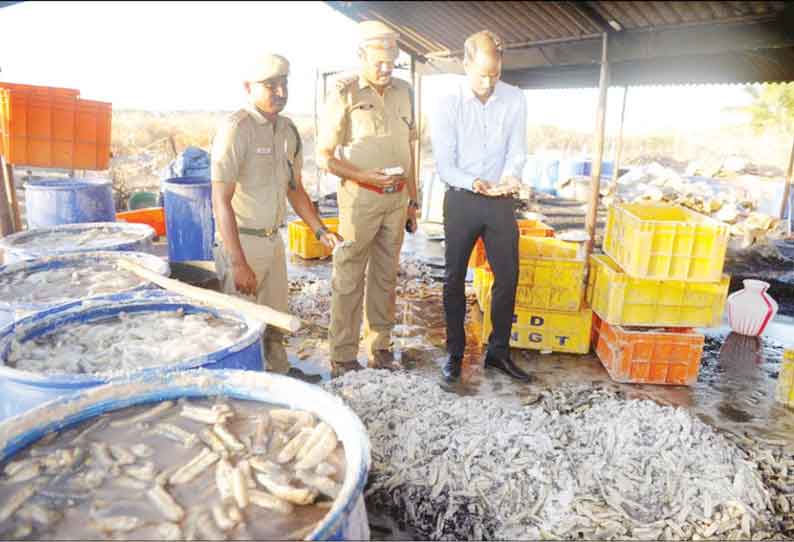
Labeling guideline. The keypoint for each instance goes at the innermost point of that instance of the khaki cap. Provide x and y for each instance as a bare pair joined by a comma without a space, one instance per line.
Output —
266,66
379,39
375,31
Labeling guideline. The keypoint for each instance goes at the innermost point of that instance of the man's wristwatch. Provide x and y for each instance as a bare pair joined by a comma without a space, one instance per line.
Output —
412,204
322,230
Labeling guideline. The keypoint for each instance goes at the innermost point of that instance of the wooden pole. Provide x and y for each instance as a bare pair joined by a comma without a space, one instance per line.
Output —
259,312
6,215
11,193
595,181
619,149
787,187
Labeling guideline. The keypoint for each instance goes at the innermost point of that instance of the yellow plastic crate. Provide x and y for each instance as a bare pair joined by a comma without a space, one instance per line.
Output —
625,301
785,382
543,283
666,242
548,247
526,228
477,284
303,243
546,330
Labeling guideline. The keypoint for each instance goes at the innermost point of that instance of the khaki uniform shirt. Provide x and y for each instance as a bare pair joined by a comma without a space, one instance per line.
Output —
247,150
373,131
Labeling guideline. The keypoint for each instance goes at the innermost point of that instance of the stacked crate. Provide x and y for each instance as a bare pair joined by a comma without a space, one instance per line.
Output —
53,127
661,277
550,312
303,243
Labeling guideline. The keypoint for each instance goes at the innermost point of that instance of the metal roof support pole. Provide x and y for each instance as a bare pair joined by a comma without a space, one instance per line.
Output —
595,181
619,149
416,80
787,187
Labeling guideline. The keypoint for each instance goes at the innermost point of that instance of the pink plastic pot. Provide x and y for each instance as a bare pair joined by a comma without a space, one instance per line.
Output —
751,309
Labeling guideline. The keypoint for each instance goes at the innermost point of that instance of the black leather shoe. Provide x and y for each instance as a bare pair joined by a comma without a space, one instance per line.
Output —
341,367
507,367
300,375
451,369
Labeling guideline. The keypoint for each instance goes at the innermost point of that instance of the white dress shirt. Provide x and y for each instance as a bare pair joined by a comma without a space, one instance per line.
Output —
472,140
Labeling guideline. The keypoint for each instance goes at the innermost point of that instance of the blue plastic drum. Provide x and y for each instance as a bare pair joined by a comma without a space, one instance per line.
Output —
52,202
11,309
347,517
188,218
89,237
22,390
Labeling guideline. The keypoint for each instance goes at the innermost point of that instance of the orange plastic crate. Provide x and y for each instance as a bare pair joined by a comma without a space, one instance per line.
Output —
528,228
50,127
670,356
151,216
37,124
92,135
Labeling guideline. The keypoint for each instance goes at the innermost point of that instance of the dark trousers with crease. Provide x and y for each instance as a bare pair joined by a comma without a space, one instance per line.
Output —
468,216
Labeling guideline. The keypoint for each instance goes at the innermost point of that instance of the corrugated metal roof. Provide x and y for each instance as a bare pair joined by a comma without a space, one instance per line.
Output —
434,28
558,43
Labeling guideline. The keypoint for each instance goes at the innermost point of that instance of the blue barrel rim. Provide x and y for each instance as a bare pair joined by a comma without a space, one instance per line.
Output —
149,261
138,301
186,181
70,183
12,243
24,429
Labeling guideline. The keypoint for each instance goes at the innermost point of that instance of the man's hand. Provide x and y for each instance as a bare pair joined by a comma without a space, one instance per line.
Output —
411,223
484,188
376,177
244,278
331,240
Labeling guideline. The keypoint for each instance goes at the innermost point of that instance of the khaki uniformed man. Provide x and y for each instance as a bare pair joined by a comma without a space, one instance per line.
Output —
256,167
369,121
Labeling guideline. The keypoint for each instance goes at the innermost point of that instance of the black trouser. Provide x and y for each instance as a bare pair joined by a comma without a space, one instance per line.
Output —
468,216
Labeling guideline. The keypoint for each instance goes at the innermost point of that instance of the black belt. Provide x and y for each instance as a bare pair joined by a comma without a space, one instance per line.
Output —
467,191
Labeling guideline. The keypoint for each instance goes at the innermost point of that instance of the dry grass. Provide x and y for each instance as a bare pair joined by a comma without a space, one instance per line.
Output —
141,146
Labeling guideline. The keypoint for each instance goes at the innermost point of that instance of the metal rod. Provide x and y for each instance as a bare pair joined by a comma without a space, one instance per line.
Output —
787,187
619,150
316,135
595,181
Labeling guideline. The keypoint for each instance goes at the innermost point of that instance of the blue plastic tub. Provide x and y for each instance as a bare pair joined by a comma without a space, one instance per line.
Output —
23,390
347,518
10,311
189,223
52,202
18,248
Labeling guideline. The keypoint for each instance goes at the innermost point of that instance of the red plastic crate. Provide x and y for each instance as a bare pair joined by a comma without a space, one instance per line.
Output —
668,356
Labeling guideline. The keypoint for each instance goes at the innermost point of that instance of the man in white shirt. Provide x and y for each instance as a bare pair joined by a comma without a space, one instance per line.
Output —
479,144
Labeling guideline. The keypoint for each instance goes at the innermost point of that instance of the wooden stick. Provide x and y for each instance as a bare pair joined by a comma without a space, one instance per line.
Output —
787,187
6,215
258,312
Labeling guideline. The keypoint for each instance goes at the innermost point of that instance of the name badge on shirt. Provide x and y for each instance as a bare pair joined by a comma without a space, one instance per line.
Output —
264,150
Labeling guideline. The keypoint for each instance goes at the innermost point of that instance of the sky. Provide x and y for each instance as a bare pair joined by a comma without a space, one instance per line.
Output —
186,56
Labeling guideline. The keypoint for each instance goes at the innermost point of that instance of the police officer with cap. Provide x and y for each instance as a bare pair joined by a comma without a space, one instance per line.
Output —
365,138
256,167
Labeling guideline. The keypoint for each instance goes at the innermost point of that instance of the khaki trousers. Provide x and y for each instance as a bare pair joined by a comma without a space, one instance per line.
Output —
266,257
365,273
